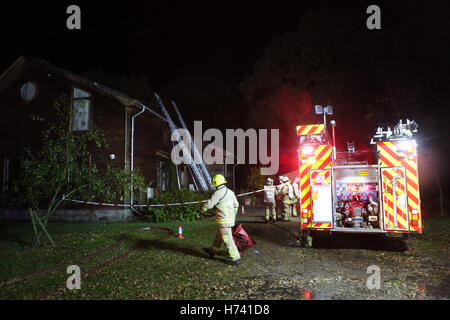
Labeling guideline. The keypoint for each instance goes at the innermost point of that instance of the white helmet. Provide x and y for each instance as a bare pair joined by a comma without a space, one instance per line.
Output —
269,181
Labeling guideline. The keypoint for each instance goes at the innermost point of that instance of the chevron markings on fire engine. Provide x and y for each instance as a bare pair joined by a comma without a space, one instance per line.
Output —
389,158
310,129
322,157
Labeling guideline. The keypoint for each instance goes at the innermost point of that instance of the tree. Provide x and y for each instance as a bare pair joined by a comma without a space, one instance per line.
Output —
63,167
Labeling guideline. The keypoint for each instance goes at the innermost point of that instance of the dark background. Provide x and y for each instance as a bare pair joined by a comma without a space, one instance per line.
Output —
261,64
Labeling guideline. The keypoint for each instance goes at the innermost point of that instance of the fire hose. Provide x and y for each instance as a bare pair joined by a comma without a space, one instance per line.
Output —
90,255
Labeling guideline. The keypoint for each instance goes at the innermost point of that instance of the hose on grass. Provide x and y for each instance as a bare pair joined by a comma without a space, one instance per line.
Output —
90,255
110,261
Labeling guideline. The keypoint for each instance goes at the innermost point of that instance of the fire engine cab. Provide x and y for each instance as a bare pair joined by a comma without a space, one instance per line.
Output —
342,192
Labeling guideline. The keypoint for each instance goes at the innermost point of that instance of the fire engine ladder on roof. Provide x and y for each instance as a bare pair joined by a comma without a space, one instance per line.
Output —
197,175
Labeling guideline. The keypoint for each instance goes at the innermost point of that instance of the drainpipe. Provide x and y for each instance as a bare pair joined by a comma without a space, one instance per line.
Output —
132,153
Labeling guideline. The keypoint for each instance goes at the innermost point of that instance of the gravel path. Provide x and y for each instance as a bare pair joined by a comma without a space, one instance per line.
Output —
283,269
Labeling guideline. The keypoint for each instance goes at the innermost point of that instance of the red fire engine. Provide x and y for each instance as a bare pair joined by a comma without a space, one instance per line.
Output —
341,193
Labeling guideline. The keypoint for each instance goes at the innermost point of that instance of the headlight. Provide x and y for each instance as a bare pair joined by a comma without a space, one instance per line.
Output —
405,145
307,150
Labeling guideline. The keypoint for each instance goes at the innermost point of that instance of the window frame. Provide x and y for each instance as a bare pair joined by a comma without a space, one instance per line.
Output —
36,93
72,102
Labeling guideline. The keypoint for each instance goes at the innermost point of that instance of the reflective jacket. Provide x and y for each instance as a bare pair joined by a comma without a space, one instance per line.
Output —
284,192
226,206
270,192
291,191
296,190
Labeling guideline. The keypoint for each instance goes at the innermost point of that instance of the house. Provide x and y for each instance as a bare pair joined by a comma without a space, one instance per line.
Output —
31,84
225,169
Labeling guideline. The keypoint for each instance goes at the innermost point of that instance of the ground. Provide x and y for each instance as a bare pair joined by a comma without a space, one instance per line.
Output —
148,264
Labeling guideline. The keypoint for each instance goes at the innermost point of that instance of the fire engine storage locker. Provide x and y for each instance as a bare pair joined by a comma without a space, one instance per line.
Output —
356,182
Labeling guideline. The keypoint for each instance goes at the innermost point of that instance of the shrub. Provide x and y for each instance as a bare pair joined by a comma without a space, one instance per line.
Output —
183,213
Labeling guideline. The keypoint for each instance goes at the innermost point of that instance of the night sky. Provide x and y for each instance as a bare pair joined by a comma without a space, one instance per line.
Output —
162,39
166,40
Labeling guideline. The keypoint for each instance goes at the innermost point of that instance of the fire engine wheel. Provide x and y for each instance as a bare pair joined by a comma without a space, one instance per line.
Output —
321,239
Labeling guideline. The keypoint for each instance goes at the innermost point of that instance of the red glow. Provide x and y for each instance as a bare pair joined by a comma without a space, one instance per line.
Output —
285,159
307,295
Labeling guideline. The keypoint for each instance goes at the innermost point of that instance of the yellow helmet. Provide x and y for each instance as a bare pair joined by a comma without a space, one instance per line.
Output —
218,180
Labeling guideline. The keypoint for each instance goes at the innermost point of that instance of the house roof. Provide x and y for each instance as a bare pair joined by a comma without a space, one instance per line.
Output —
16,69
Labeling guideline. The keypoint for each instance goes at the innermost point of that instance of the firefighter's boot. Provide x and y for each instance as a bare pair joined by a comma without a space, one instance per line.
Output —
232,262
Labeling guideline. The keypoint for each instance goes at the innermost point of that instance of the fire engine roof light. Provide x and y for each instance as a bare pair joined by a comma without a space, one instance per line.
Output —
405,145
328,110
319,109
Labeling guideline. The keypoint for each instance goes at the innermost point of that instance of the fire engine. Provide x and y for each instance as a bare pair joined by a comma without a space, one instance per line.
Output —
342,193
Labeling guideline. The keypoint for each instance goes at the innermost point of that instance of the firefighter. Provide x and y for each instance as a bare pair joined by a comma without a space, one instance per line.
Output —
278,201
296,205
291,197
270,193
226,206
285,199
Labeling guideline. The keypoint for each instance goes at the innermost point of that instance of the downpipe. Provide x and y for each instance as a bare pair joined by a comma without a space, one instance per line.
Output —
132,157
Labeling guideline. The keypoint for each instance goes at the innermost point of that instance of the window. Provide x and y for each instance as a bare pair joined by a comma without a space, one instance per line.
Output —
81,110
28,91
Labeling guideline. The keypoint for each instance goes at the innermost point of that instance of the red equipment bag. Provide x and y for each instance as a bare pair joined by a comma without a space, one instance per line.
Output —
242,239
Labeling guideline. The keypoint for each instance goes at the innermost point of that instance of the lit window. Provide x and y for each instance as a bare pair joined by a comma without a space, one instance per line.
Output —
81,110
28,91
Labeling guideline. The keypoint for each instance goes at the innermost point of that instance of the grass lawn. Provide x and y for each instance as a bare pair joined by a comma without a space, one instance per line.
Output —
156,269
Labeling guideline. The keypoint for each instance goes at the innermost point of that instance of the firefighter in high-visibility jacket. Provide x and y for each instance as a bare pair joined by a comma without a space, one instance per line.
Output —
270,193
226,206
286,196
296,205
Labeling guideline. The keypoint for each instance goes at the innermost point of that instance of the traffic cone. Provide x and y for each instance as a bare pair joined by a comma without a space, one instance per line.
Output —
180,232
243,210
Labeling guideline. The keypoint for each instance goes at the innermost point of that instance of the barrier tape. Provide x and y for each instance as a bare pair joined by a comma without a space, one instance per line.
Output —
150,205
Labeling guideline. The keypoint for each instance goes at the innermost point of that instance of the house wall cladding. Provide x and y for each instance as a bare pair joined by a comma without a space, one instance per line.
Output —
151,136
19,130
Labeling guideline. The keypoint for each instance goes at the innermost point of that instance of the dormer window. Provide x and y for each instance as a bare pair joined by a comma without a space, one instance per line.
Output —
28,91
81,110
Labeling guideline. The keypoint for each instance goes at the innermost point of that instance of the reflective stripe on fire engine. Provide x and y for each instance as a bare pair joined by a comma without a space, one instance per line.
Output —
321,225
400,200
322,155
389,157
310,129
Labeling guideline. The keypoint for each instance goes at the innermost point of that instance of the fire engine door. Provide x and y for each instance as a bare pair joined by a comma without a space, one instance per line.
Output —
395,201
321,199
